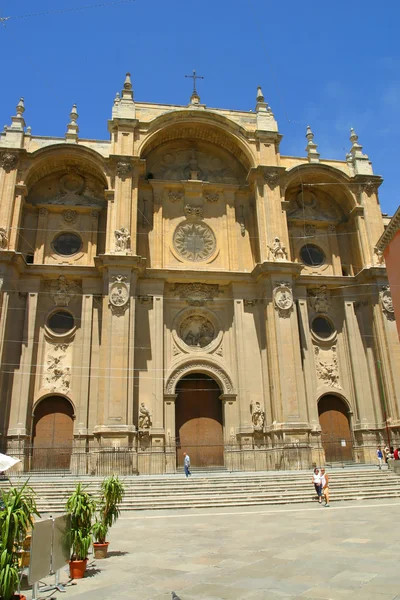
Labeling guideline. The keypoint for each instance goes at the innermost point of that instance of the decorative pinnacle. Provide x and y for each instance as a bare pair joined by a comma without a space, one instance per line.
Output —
117,99
353,136
127,91
260,95
311,149
18,122
72,127
74,114
128,82
21,107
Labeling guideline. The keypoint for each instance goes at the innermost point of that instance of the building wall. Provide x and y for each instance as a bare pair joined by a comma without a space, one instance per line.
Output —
392,254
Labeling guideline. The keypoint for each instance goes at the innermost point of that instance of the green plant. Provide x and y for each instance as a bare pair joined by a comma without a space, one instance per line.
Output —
112,492
81,506
16,517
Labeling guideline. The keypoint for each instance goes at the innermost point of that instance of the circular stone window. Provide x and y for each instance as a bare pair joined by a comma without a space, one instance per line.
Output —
197,331
312,255
194,241
61,322
322,327
67,244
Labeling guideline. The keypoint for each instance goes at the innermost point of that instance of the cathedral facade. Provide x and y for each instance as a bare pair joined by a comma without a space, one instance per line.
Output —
184,287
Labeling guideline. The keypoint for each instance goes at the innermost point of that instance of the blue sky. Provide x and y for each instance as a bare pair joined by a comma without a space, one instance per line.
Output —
331,65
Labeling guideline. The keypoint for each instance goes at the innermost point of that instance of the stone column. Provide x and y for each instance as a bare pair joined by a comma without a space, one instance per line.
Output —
357,217
20,193
170,440
229,195
111,223
158,362
8,179
334,248
92,246
157,236
261,219
82,412
243,406
41,235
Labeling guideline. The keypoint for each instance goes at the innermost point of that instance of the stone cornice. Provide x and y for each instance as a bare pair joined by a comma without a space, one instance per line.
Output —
283,269
390,231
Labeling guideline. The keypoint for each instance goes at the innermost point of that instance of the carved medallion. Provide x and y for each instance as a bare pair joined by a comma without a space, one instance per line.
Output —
8,161
69,216
118,295
309,230
194,241
72,183
387,302
62,290
283,299
198,331
320,299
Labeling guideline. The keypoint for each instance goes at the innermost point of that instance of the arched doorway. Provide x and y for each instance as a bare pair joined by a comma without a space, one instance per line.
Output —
52,434
335,429
198,421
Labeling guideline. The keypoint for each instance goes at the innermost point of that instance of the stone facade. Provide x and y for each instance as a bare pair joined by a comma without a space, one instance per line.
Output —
186,244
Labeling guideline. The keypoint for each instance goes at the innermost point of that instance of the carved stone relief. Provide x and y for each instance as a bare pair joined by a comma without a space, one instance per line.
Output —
271,178
306,205
69,216
62,290
118,295
326,364
309,230
9,161
278,251
283,299
3,238
145,421
202,367
370,187
194,241
175,196
123,169
122,240
196,294
320,299
387,302
70,189
197,330
380,259
58,374
193,211
257,417
211,196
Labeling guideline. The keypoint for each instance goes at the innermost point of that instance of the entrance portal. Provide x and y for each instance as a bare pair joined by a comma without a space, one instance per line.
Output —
198,421
336,435
52,434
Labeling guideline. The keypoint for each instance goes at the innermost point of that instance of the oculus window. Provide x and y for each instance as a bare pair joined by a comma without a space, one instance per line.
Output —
61,322
67,244
311,255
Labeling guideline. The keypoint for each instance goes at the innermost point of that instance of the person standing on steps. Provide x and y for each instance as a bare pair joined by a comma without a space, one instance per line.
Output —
379,456
186,464
325,486
316,479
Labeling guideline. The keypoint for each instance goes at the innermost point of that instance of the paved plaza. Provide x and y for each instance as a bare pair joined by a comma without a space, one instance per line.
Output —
350,550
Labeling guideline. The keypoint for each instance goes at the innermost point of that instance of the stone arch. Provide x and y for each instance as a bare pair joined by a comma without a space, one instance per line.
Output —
210,368
49,395
338,395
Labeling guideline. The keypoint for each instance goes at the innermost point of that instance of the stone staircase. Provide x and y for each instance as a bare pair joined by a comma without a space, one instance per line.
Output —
211,490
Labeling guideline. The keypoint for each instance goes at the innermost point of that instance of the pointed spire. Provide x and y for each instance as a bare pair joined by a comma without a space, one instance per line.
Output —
260,95
21,107
117,99
311,149
261,105
361,162
127,92
18,121
28,130
72,127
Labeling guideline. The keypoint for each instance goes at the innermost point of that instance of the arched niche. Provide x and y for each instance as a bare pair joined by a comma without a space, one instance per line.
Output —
336,436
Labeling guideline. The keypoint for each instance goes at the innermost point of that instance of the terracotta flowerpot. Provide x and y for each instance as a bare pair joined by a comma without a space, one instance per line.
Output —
100,550
77,568
19,597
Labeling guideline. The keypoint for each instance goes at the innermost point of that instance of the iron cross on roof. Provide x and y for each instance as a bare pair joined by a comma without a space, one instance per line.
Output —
194,77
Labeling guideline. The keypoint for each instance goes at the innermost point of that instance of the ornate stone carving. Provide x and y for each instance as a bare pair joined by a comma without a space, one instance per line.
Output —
193,211
95,214
283,299
220,351
332,228
196,330
320,299
58,376
309,230
145,421
72,183
380,259
9,161
202,367
43,212
278,250
194,241
118,295
271,178
62,290
175,350
306,206
257,417
196,294
3,238
370,187
69,216
122,239
175,196
123,168
387,302
211,196
327,372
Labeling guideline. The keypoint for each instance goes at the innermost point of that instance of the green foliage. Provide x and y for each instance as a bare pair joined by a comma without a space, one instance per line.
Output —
112,493
15,520
81,506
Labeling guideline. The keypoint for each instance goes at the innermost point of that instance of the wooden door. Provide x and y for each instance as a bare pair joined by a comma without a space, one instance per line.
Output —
52,434
336,435
198,419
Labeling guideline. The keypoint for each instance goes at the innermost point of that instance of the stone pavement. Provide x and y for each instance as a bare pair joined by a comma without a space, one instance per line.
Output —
350,550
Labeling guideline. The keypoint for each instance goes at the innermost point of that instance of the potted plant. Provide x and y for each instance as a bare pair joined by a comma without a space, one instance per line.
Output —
16,517
81,507
112,492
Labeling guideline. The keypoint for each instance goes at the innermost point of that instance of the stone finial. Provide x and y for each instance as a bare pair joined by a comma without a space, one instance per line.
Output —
21,107
127,91
29,130
72,127
195,98
360,161
262,105
260,95
311,149
18,121
117,99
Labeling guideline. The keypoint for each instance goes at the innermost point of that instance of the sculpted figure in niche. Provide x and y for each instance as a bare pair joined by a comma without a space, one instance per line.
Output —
257,417
3,238
122,239
278,250
197,331
144,417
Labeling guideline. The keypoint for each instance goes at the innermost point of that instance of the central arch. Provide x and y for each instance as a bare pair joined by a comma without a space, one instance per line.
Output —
199,421
335,428
53,434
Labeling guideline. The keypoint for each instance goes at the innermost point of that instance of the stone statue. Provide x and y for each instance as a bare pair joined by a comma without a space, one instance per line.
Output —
257,417
144,417
122,239
278,250
3,238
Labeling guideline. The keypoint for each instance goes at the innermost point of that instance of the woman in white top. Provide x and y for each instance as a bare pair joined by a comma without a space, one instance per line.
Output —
316,479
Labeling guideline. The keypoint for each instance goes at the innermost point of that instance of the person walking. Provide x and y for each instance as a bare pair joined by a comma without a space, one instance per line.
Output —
396,454
316,479
186,464
325,486
379,456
